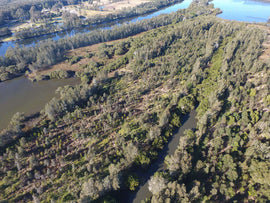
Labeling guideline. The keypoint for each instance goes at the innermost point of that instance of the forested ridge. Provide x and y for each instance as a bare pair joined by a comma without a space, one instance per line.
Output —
83,143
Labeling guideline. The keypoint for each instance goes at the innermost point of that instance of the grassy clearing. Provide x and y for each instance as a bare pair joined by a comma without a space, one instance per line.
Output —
80,52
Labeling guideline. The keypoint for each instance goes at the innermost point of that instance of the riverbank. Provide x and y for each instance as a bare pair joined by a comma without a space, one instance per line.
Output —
22,95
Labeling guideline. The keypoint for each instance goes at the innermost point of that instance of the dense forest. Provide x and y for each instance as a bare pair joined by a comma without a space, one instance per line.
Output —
133,96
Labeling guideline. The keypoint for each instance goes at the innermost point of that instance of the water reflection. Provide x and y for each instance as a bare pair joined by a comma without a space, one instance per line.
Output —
22,95
248,11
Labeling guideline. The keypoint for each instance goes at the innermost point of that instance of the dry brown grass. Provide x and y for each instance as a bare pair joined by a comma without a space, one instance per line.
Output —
123,4
64,65
266,52
108,7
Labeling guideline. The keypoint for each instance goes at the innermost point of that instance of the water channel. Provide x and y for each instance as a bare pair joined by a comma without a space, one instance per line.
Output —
143,192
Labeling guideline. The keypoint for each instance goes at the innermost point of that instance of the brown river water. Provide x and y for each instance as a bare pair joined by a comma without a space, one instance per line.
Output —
22,95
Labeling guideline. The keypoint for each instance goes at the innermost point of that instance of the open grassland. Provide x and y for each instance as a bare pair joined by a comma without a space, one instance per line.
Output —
104,7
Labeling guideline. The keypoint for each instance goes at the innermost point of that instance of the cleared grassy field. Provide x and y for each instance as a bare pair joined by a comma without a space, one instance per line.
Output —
103,7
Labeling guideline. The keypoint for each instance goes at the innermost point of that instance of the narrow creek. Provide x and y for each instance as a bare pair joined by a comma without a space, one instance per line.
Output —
189,122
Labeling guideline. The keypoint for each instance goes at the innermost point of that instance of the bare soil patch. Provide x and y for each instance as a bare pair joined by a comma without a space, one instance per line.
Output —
123,4
106,7
64,65
266,52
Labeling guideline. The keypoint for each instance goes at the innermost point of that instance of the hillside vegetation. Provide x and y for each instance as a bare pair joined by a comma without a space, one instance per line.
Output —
133,96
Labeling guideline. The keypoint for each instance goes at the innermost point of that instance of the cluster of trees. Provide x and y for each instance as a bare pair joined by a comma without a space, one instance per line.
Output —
4,31
88,136
29,33
87,139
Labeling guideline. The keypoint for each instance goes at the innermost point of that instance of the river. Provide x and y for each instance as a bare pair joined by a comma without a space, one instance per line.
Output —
243,10
22,95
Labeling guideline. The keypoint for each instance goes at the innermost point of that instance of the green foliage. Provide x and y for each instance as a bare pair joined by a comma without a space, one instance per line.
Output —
143,160
186,104
74,59
259,172
252,92
175,121
50,52
67,197
132,182
59,74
